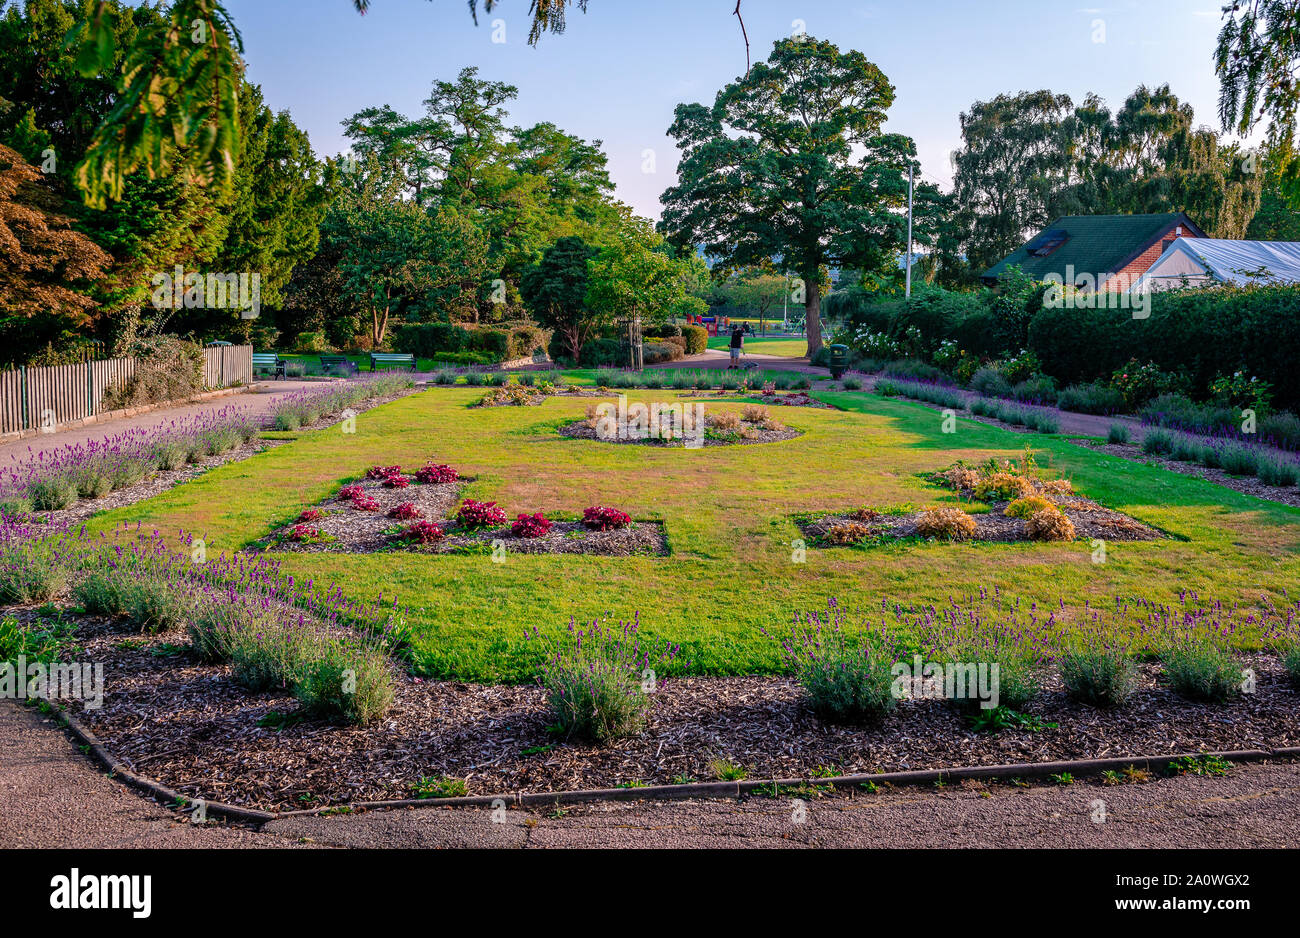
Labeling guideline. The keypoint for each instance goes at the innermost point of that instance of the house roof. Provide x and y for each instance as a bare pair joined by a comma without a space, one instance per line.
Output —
1095,244
1239,262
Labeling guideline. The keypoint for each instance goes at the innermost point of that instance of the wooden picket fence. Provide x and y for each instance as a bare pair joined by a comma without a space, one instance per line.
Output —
48,397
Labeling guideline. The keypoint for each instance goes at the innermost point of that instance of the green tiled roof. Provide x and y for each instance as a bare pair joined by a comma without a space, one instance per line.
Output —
1097,244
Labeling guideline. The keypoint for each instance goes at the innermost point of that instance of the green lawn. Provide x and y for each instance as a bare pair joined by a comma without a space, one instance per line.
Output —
727,514
792,348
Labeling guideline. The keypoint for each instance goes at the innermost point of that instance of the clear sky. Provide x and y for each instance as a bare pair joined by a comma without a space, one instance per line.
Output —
621,68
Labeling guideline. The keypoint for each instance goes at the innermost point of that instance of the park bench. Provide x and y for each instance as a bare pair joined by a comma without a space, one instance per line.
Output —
344,364
269,361
391,358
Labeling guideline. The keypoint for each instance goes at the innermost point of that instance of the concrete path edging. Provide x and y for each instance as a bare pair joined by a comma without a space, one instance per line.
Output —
736,789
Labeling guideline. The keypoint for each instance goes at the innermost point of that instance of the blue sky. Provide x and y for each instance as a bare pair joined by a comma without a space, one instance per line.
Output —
620,69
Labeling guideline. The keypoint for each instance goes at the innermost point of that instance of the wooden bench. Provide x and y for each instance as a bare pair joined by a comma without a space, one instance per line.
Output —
391,358
329,362
269,361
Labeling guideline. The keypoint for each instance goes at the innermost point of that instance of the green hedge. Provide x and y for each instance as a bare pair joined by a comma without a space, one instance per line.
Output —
437,339
1199,333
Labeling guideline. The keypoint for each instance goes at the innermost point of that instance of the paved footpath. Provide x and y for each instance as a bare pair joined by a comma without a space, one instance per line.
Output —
52,796
259,400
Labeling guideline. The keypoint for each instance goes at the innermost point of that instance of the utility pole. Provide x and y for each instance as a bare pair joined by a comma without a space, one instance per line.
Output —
909,232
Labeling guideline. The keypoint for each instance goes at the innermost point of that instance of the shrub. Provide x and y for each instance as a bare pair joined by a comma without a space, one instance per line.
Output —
395,482
1039,389
52,494
988,380
349,492
167,369
655,353
1050,524
1027,506
951,523
30,573
697,339
911,369
474,514
844,680
1157,442
852,384
1203,672
311,514
1095,398
1290,655
527,525
1003,486
347,683
270,655
1117,433
383,472
1056,487
594,684
13,507
1237,459
1017,681
724,422
1275,470
475,379
304,534
1100,676
599,518
847,532
406,511
422,532
1281,429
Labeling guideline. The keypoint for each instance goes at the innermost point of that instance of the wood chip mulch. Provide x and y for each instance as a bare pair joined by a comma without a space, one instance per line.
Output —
1090,521
352,531
192,728
1245,485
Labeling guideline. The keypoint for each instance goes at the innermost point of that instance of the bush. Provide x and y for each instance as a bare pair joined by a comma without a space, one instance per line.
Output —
1290,655
654,353
989,381
270,655
1203,672
1027,507
526,525
1050,524
1100,676
599,518
1002,486
1094,398
475,514
30,573
1275,470
951,523
852,384
1117,433
843,680
52,494
167,369
422,532
156,604
103,592
594,685
697,339
1040,389
1017,681
914,370
847,532
349,683
436,474
406,511
1237,459
1158,442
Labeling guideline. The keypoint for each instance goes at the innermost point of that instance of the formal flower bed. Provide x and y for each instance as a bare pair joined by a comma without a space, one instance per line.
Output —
377,515
1021,506
682,425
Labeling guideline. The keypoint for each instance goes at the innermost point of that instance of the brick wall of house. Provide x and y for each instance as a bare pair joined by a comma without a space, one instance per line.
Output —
1142,263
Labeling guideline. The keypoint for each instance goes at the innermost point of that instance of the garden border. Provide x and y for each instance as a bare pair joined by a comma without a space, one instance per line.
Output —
1081,767
124,412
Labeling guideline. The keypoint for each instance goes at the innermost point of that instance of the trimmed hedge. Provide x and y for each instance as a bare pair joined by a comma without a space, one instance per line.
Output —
436,339
697,338
1200,333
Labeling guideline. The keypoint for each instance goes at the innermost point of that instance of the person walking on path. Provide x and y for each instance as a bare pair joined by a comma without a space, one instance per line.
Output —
737,346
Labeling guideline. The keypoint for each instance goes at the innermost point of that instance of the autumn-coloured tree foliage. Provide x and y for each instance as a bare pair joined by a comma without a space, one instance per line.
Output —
42,259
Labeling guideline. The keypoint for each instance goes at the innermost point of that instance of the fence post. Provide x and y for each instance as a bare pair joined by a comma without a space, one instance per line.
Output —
90,387
22,378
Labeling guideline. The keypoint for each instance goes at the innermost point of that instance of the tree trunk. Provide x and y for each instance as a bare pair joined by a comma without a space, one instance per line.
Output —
379,326
812,308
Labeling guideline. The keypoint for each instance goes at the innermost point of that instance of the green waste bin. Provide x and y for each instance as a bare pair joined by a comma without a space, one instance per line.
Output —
839,360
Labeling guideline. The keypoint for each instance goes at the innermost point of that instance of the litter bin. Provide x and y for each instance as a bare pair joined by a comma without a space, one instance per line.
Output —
839,360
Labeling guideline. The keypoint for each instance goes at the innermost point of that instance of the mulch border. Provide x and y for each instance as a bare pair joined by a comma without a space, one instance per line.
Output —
1080,767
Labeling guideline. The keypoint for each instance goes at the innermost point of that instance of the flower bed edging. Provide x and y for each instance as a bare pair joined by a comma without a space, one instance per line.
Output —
1079,768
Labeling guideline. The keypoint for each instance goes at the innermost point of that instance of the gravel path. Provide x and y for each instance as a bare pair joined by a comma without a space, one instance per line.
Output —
51,796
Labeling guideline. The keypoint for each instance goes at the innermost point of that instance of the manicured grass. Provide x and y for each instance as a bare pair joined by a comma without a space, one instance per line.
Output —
727,512
791,348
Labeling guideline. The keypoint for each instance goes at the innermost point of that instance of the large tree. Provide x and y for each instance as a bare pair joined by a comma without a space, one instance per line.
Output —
555,292
44,263
791,162
1013,159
